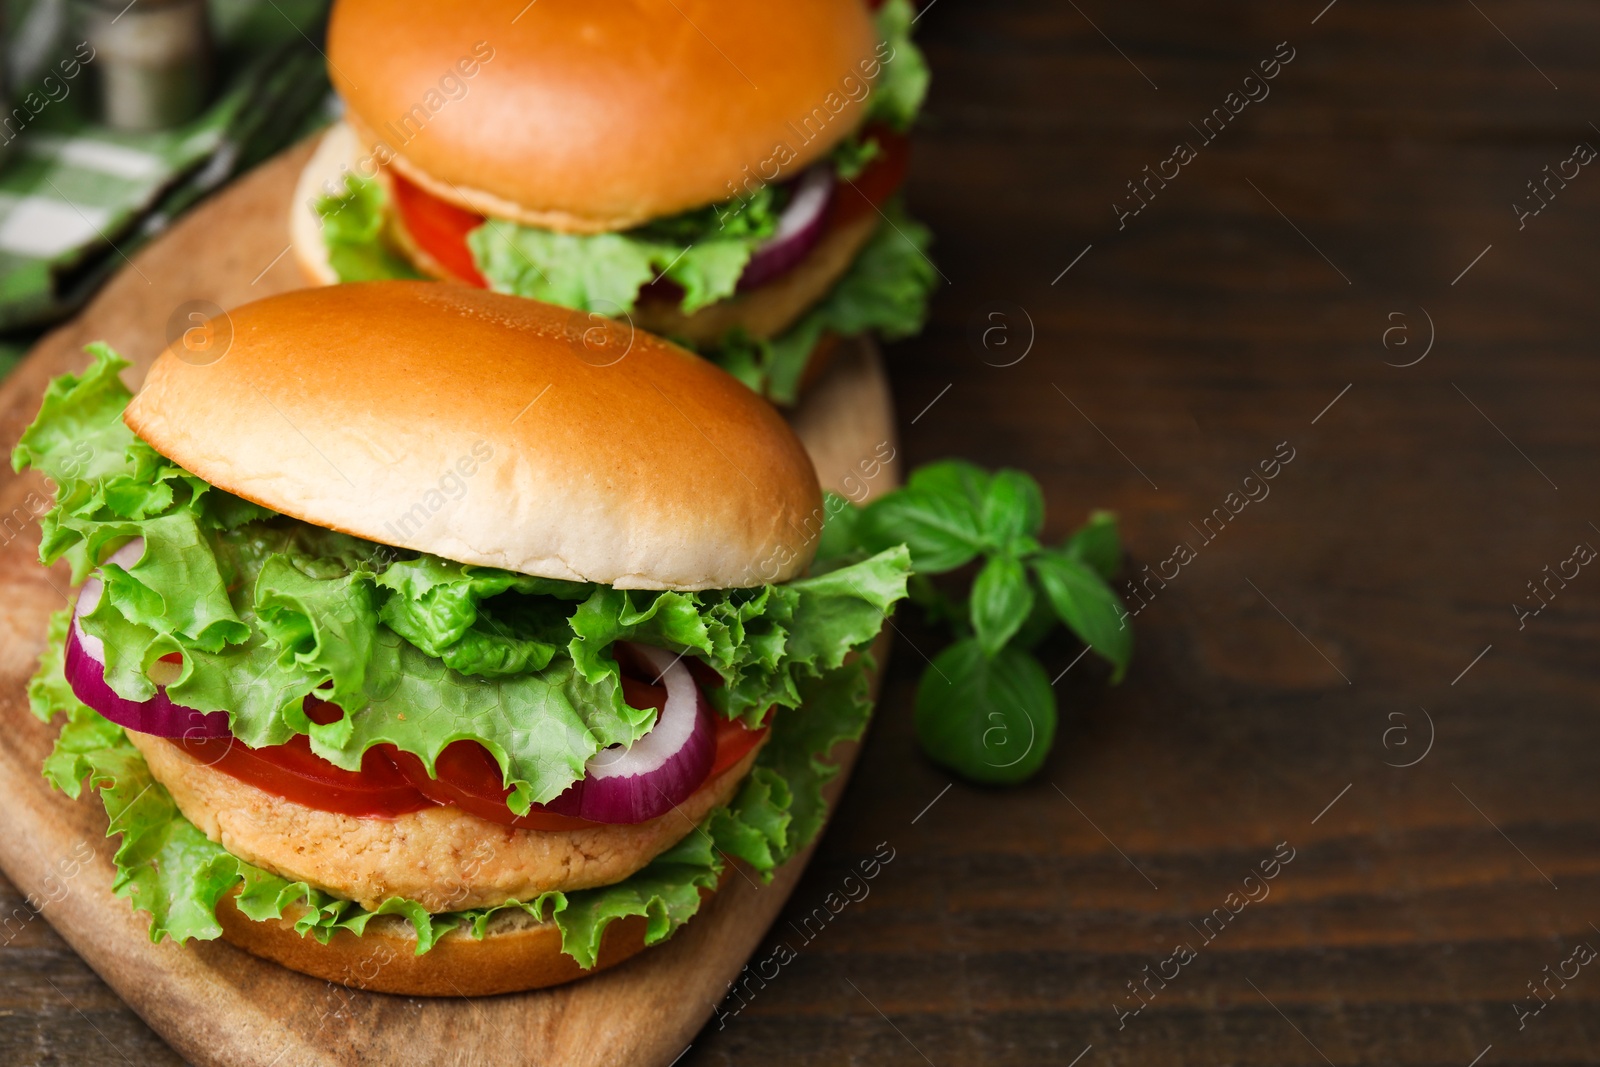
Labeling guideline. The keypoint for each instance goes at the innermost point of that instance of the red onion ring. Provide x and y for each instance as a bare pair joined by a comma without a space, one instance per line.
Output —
799,228
85,669
661,769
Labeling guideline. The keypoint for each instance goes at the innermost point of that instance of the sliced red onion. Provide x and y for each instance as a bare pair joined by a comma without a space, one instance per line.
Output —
661,769
85,668
799,228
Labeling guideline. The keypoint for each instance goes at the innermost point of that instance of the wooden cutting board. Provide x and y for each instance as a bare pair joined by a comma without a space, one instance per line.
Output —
212,1002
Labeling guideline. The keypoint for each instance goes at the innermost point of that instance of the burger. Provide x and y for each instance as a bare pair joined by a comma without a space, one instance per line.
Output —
416,652
717,172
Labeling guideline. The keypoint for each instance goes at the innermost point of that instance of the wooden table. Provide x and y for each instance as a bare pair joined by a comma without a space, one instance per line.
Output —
1361,609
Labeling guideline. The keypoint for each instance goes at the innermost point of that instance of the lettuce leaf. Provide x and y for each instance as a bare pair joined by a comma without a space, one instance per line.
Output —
704,251
355,231
903,84
886,290
266,611
167,868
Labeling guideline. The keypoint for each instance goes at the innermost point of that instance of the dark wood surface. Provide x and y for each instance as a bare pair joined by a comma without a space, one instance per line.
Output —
1173,357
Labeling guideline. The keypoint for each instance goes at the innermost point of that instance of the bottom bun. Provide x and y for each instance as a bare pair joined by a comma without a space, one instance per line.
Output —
517,953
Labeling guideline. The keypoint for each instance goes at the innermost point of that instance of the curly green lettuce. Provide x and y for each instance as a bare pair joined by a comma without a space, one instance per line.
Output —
703,251
354,230
170,870
266,611
903,84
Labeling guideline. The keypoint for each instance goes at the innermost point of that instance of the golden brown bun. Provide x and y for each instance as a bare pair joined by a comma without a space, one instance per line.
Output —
480,427
517,952
588,117
322,176
444,858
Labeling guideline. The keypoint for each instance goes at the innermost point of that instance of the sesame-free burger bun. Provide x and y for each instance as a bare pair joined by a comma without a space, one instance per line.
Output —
586,117
492,430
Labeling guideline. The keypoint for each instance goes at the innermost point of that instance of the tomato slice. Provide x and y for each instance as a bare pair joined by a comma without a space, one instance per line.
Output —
439,228
292,771
734,742
392,782
469,779
877,182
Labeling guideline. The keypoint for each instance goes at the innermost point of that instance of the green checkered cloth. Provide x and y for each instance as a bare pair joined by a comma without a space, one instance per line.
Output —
76,198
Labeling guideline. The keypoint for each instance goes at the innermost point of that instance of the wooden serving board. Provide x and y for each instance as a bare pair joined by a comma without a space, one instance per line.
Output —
214,1003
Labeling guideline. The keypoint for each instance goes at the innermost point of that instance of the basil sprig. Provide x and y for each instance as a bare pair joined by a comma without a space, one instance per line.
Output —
985,707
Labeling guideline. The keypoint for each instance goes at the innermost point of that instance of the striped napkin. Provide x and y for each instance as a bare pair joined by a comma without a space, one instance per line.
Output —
77,198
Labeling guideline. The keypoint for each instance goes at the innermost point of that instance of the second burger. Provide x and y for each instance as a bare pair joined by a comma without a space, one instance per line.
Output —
720,173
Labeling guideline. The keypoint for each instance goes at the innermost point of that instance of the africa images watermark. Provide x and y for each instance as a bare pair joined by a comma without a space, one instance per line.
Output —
1211,927
453,84
1255,490
34,505
1254,90
1582,555
1582,155
55,89
1581,956
857,484
452,485
853,89
51,891
854,891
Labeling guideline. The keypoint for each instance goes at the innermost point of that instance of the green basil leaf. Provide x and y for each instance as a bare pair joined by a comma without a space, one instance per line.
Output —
1089,608
942,533
1013,508
953,477
1037,626
990,720
937,516
1097,544
1001,601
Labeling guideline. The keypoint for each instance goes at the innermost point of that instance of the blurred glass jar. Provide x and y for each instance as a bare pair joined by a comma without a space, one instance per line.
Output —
153,60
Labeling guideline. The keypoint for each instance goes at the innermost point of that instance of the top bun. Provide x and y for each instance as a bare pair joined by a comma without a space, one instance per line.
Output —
584,116
494,430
